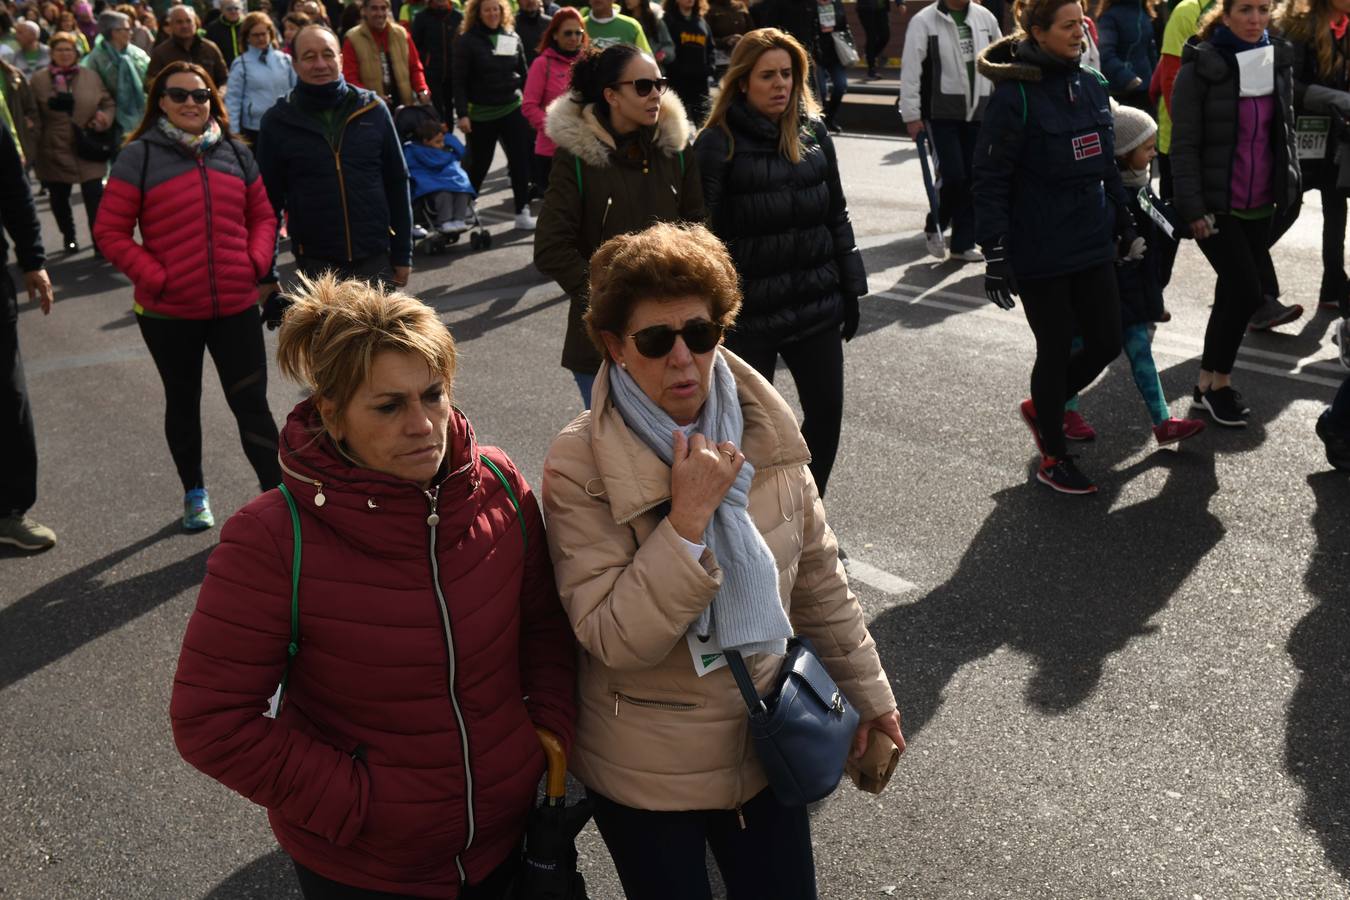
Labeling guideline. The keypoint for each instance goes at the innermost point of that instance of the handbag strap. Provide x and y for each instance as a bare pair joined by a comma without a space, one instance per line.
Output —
524,533
747,684
294,646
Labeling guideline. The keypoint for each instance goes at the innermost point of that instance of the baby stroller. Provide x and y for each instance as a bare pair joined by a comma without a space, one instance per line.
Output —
406,121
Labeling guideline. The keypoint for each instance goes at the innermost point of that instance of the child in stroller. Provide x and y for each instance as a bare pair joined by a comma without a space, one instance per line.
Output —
441,193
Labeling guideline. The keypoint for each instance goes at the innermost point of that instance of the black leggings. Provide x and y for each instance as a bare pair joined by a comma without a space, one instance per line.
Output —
18,450
1085,303
817,367
236,346
1334,283
1239,251
661,855
90,191
517,139
876,25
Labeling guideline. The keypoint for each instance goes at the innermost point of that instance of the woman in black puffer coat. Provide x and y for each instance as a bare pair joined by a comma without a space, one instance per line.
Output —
771,186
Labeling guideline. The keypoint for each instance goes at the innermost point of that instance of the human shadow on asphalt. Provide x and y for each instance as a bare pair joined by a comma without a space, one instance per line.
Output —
1317,729
903,153
63,615
83,275
919,314
270,877
1067,581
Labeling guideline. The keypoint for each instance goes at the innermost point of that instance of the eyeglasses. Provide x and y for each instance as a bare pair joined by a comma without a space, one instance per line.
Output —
570,33
200,96
643,86
699,335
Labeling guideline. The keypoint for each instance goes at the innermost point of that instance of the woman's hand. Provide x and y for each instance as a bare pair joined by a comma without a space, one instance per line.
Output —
889,725
100,121
1200,229
700,477
465,126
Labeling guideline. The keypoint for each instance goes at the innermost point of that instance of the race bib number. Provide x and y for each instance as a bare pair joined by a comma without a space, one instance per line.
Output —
506,45
1313,133
826,13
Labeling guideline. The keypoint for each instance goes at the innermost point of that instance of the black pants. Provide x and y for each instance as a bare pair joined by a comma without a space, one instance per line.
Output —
817,367
541,167
693,93
954,145
236,346
1166,250
1085,302
1339,413
516,137
18,447
661,855
314,886
373,269
1334,284
90,191
876,25
1240,255
442,95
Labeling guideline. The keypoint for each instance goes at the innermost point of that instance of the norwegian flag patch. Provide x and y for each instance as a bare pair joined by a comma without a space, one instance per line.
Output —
1087,146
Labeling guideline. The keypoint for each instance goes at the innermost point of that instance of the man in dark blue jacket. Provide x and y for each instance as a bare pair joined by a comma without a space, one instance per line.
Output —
18,450
353,217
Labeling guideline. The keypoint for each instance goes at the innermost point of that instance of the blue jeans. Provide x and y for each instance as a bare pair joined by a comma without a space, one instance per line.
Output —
954,145
585,381
834,77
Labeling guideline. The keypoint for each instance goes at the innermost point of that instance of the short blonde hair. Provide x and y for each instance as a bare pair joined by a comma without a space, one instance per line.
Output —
664,262
471,15
334,329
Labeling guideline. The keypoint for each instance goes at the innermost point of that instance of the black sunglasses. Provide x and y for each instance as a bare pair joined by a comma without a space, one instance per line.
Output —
699,335
643,86
570,33
200,96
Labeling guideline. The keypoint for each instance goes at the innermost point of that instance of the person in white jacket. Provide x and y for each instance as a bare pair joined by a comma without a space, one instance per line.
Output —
943,95
259,77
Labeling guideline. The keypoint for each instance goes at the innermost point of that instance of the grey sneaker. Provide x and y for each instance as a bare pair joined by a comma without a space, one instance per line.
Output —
24,533
1273,313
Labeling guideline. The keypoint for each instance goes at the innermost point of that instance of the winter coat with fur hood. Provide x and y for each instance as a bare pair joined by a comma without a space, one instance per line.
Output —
602,185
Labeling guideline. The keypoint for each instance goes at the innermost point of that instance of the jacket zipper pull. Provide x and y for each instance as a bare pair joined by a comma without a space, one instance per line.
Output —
616,704
740,817
434,519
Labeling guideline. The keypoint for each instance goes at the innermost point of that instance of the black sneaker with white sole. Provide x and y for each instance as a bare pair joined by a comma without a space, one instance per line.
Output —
1198,399
1224,406
1061,474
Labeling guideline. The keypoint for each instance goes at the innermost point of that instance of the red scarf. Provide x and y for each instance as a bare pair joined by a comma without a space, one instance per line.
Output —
1338,26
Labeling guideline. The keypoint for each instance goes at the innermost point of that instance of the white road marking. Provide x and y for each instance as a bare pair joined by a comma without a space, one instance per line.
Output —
877,578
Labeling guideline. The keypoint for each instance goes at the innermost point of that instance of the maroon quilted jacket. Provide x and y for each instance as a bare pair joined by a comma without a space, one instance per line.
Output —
404,758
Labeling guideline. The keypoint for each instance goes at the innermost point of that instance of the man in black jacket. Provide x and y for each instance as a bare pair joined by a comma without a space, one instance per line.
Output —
433,33
18,451
224,31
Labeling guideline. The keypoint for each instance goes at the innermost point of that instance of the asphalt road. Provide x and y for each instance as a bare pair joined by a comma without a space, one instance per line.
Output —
1140,694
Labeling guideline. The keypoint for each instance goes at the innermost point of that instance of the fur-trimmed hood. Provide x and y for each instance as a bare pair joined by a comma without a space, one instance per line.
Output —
576,128
1017,58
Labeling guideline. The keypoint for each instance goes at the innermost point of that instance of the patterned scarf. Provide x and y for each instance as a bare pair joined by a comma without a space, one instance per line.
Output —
63,77
194,144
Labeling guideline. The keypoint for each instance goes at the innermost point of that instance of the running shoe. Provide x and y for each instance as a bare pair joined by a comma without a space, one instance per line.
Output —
1062,475
1198,399
971,256
24,533
1076,427
1225,407
197,510
1028,410
1341,338
937,247
418,232
453,226
525,221
1337,445
1175,430
1273,313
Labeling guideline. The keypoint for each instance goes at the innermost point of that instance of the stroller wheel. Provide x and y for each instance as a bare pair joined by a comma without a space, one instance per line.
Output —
486,239
476,240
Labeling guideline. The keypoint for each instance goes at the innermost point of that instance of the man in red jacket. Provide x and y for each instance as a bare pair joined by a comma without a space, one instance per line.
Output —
379,56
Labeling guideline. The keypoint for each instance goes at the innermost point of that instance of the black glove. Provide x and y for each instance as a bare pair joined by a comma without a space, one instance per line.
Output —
999,284
274,307
61,102
851,315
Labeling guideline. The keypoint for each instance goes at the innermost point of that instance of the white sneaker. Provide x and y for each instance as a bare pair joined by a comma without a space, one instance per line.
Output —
418,232
971,255
937,247
524,221
453,226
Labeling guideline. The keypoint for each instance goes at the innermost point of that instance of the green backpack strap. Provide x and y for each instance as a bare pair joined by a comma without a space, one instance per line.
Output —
576,160
294,646
524,533
1101,79
681,163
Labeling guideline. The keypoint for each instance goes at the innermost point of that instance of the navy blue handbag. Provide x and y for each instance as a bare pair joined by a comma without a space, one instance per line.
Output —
803,730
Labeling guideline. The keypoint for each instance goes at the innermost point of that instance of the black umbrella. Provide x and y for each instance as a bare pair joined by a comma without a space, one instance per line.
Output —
549,865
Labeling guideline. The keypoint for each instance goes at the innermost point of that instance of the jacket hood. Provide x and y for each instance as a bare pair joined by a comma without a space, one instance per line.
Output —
636,479
575,128
1018,58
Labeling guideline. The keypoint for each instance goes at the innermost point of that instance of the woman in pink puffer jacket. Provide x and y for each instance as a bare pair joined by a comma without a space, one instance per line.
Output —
549,76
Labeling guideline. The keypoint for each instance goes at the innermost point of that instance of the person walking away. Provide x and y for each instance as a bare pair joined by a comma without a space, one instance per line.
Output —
1236,175
941,93
18,451
489,73
227,31
729,21
685,452
532,20
652,19
605,25
623,163
185,45
31,54
1045,157
122,67
437,178
354,217
378,55
875,16
692,66
1319,33
772,186
208,236
1129,53
259,77
69,96
550,74
433,33
402,760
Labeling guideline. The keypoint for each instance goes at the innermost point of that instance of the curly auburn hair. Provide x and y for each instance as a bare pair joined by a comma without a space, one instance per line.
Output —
471,16
664,262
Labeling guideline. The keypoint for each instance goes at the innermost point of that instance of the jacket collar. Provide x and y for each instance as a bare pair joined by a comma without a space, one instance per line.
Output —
292,112
575,128
1214,64
635,479
1019,58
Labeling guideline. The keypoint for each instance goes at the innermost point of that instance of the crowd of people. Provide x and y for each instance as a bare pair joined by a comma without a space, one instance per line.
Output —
691,206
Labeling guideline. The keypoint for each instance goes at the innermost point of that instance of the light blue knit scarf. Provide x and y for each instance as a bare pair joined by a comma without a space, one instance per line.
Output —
747,613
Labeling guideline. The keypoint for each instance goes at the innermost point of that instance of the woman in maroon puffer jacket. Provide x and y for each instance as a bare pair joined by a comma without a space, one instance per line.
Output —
208,235
432,643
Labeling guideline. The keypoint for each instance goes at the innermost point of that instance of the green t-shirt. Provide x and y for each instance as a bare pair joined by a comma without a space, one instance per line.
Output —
1181,25
619,30
966,40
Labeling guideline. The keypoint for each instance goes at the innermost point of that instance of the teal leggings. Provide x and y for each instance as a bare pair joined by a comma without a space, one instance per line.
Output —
1139,350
